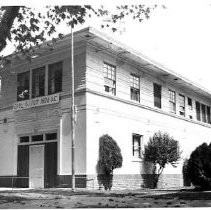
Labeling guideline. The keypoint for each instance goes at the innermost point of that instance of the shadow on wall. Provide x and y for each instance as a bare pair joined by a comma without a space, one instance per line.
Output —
149,179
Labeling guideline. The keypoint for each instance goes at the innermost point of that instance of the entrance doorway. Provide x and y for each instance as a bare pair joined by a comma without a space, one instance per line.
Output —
36,166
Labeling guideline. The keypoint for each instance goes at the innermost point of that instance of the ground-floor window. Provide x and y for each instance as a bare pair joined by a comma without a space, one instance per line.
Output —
137,142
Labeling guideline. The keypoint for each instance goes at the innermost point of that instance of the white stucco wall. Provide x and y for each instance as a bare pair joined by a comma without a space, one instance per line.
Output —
121,119
8,146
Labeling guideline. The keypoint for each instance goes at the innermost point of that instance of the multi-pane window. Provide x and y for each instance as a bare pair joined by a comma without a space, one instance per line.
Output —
208,115
134,87
182,105
172,101
157,95
23,86
38,82
203,113
55,78
198,114
137,145
109,72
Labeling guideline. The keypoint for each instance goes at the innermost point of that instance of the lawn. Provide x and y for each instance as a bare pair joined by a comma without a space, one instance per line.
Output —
64,198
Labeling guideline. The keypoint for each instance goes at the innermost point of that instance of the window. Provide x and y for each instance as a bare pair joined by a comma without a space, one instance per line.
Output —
0,84
37,138
198,115
55,78
38,82
23,86
181,105
172,101
24,139
137,145
190,108
157,95
203,113
51,136
109,78
134,88
208,115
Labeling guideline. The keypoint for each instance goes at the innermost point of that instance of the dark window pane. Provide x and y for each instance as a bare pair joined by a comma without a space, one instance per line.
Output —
203,113
38,82
23,86
24,139
37,138
55,78
208,115
198,115
51,136
157,95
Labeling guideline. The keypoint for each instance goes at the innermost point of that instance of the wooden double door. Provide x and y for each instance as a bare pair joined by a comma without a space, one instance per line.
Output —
38,163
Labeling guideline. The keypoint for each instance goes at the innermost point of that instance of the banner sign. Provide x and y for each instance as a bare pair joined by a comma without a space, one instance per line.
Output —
44,100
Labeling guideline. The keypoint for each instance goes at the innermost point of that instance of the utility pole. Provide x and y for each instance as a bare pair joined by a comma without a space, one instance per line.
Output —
72,112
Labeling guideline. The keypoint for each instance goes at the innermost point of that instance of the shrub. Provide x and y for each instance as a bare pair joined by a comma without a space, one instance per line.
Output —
161,150
199,167
186,179
109,158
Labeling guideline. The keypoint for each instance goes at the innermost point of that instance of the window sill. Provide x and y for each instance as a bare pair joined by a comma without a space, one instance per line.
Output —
137,159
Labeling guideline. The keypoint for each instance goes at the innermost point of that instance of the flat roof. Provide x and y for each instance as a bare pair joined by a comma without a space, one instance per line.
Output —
104,42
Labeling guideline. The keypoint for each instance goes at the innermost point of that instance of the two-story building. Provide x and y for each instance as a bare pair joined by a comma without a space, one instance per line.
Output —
118,92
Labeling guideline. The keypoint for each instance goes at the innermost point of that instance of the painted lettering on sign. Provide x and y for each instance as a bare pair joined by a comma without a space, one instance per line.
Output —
45,100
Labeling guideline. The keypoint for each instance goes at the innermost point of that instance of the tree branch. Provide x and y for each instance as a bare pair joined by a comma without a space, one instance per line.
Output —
6,23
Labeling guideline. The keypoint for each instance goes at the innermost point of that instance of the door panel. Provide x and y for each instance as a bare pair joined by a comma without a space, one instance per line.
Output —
51,164
23,166
36,166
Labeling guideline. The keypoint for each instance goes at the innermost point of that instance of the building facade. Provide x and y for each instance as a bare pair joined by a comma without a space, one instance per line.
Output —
118,92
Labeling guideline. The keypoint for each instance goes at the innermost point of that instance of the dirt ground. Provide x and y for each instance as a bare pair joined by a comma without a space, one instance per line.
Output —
65,198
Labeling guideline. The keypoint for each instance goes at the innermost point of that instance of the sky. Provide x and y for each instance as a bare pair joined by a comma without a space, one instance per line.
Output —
179,36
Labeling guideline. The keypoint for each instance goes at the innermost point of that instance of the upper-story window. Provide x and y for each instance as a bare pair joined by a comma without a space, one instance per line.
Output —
23,86
38,82
134,87
208,115
203,113
172,101
55,78
190,108
198,114
0,84
157,95
109,72
181,105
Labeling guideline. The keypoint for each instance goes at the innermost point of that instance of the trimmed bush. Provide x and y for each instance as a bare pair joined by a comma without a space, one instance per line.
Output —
161,150
109,158
199,167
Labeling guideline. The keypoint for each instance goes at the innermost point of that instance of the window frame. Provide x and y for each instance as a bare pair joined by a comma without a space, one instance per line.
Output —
172,101
56,80
37,89
203,113
157,92
138,137
182,105
198,111
208,115
24,93
134,87
109,75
